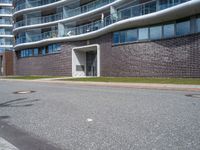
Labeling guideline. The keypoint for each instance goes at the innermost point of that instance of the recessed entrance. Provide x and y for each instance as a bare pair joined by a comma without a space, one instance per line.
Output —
86,61
91,63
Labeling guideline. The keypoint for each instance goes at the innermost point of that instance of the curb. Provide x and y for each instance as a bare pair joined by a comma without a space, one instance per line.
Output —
178,87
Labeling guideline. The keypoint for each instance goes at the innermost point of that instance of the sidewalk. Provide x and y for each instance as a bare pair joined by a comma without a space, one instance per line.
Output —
180,87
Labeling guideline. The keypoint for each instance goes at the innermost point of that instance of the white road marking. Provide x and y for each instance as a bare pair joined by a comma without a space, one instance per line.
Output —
89,120
5,145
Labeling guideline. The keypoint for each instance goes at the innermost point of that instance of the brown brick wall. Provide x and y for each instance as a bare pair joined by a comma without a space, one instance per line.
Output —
178,57
52,65
7,64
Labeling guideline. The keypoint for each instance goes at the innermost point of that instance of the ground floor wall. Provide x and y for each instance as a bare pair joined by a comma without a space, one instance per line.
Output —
176,57
6,63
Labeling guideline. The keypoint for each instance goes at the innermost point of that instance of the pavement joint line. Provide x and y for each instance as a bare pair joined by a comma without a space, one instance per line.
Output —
5,145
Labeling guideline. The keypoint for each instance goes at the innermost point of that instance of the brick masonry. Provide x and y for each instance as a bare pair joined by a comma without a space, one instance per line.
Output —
7,63
177,57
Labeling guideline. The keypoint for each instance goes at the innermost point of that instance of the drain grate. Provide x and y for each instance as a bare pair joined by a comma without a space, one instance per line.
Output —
193,95
23,92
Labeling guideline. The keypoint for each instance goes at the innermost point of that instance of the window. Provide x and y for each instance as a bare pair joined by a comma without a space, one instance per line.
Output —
56,47
44,51
143,34
122,36
50,49
35,51
30,52
183,28
198,24
156,32
125,13
168,30
116,37
132,35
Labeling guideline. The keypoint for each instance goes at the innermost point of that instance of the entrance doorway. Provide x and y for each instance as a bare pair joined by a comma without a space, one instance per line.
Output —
86,61
91,63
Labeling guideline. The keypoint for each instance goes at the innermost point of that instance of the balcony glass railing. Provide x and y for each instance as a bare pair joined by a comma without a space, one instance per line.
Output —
5,33
6,43
31,4
88,7
39,20
60,16
6,11
6,1
38,37
6,22
130,12
133,11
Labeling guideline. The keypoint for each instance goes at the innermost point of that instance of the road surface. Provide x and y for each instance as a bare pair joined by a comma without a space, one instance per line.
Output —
65,117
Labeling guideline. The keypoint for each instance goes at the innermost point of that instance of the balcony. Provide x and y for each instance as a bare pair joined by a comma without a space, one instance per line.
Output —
39,20
123,14
5,22
130,12
31,4
6,11
67,14
6,1
37,37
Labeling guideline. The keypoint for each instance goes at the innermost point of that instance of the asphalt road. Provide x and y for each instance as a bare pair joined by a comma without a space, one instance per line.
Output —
73,117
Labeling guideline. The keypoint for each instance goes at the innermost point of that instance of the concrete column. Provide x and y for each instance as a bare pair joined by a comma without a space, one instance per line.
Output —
102,19
114,15
157,5
61,30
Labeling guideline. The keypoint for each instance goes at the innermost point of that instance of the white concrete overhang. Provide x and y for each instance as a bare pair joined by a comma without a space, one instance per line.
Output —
77,17
6,46
5,15
4,4
6,36
6,25
183,10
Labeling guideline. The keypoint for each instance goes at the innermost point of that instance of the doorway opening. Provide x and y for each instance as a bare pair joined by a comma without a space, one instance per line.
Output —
86,61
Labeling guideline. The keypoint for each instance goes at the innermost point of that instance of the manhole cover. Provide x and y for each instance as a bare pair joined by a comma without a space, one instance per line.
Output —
193,95
23,92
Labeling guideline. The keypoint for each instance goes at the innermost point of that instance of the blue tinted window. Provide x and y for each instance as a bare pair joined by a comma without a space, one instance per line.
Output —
143,34
50,49
198,25
43,51
183,28
156,32
35,51
132,35
123,37
116,37
168,30
30,52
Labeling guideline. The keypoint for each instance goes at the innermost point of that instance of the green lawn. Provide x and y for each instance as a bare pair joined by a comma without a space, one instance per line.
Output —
30,77
195,81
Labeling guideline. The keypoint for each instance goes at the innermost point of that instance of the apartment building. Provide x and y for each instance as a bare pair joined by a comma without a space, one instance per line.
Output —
130,38
6,38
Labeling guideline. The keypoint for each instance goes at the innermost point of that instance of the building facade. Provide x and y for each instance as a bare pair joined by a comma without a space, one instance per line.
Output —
6,38
149,38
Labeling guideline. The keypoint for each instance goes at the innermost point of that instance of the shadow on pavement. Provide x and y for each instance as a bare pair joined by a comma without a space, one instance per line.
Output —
4,117
20,102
